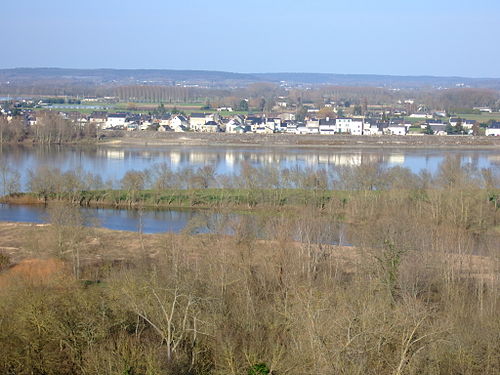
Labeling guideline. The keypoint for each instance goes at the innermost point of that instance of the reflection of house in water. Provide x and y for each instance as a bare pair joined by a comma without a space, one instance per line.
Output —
396,159
113,154
349,159
202,157
324,159
230,158
175,158
198,157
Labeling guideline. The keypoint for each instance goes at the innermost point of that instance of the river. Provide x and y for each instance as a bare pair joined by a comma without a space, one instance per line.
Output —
112,163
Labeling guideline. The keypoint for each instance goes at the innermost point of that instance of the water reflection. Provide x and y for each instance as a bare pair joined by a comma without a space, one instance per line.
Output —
112,163
176,221
150,221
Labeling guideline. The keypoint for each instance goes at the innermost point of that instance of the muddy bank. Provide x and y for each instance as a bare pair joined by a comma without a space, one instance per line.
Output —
145,138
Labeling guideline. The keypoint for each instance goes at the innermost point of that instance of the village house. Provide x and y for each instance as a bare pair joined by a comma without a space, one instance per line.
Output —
198,120
115,121
395,130
372,128
349,126
493,129
98,117
287,116
210,127
431,122
454,121
233,123
327,126
312,126
253,122
438,129
164,120
424,116
469,124
303,129
179,123
273,123
268,126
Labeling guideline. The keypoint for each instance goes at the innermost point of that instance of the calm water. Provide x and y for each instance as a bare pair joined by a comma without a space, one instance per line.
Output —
176,221
128,220
113,163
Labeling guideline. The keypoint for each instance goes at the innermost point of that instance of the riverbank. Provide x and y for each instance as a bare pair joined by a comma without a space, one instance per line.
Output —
235,199
147,138
120,138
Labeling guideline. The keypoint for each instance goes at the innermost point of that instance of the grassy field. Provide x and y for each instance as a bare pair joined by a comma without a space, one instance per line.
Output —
484,117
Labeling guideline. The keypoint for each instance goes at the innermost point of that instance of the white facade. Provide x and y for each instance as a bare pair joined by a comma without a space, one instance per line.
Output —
349,126
493,131
179,123
371,129
115,121
232,125
356,127
396,130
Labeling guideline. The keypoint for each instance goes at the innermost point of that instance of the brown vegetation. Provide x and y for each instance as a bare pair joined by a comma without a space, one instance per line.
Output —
417,293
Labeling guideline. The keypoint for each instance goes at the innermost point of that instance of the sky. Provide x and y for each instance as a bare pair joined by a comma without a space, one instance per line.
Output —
395,37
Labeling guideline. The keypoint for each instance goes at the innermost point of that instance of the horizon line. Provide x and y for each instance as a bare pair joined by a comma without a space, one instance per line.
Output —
255,73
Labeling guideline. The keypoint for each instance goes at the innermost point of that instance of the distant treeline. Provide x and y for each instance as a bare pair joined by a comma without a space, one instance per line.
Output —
50,128
363,96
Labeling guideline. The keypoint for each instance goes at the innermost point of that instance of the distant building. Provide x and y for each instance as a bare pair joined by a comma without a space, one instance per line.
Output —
115,120
179,123
395,130
327,126
493,129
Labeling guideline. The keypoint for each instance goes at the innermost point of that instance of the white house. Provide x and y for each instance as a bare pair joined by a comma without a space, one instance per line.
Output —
454,121
484,109
210,127
371,128
312,126
395,130
327,126
253,122
272,123
349,125
232,124
357,127
421,115
115,120
469,124
343,124
291,127
98,117
197,120
179,123
493,129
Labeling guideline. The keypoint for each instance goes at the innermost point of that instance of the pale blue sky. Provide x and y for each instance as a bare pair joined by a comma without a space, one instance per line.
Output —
397,37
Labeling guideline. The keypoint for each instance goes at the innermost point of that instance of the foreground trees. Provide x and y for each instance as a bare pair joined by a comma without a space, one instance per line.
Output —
417,293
